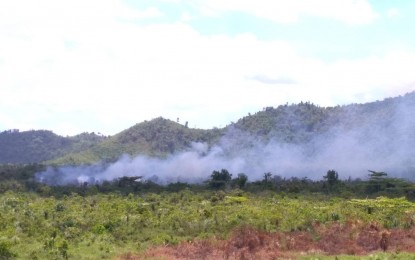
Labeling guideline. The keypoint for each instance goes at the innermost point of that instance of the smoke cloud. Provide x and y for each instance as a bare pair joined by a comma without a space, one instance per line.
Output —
377,136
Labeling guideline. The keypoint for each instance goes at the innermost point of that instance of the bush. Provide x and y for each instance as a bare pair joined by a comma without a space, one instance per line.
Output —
5,252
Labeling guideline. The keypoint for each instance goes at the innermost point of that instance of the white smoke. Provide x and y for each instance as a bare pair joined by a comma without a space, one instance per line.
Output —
351,147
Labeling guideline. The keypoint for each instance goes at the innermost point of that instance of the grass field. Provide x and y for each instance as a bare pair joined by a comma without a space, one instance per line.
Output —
106,226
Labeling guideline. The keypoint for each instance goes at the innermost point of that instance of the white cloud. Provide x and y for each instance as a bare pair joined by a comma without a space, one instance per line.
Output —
114,74
347,11
393,12
185,17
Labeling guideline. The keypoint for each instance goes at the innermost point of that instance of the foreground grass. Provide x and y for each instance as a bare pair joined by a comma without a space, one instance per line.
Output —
105,226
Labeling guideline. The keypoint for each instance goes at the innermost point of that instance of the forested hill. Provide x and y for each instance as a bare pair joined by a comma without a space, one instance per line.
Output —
301,122
41,145
296,123
157,137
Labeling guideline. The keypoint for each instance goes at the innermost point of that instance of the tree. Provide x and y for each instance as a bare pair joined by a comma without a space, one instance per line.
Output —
378,181
241,180
220,179
377,175
332,177
267,177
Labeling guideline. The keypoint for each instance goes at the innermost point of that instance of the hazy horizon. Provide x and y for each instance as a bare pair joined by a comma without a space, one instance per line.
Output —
184,123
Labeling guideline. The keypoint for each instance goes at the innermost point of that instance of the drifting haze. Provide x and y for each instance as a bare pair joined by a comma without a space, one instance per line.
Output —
381,140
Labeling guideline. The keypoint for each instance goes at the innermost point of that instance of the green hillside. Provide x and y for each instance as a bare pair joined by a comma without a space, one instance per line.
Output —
41,145
300,122
157,137
286,123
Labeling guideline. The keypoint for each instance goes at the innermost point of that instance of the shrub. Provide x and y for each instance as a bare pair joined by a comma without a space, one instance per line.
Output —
5,252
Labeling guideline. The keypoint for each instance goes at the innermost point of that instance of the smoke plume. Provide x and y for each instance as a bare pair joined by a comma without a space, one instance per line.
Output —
376,136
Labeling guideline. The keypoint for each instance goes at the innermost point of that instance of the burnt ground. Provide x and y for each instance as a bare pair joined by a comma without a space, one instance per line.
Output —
352,238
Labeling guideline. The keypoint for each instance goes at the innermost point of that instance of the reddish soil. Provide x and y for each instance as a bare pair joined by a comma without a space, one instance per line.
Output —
352,238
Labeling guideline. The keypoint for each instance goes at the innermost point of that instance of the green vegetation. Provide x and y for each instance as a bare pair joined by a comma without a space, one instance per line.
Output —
37,146
296,123
220,179
158,137
114,218
130,216
105,225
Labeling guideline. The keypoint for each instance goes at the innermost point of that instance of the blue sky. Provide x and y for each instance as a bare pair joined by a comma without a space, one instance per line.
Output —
75,66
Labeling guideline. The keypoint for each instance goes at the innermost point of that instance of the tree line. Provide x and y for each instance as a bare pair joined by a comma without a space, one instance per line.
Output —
22,178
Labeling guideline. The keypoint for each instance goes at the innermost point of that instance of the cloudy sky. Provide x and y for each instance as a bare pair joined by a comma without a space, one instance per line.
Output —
76,66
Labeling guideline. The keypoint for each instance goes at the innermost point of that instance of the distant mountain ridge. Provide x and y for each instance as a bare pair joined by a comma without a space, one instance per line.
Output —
40,145
296,123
